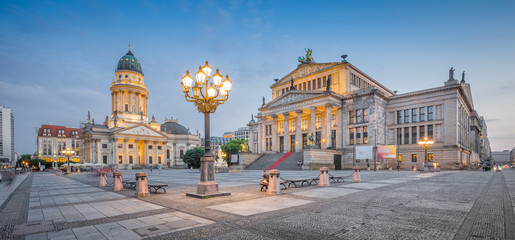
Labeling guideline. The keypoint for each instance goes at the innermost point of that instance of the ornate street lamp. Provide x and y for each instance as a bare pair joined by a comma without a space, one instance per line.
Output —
68,153
206,96
425,144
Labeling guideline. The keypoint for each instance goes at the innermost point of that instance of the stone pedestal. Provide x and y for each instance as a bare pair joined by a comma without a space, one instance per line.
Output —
356,178
78,170
68,169
117,186
414,168
324,177
368,169
426,168
102,181
274,185
390,169
207,187
142,185
59,172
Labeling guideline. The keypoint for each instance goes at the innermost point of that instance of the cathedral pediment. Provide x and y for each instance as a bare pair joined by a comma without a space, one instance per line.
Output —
304,70
140,130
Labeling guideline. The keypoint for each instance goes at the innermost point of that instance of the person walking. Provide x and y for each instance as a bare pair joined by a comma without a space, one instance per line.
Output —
150,169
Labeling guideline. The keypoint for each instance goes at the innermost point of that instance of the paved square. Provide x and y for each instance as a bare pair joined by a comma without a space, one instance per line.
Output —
363,185
260,205
326,192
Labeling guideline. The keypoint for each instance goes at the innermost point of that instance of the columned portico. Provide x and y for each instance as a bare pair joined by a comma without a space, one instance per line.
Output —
274,133
286,139
328,127
298,133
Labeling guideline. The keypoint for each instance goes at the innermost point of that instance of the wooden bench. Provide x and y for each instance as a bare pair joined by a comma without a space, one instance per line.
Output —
129,184
264,186
157,187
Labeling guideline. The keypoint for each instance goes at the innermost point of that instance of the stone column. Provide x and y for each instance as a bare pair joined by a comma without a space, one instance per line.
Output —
286,134
262,135
298,133
146,152
339,134
312,127
274,133
324,177
274,185
141,185
130,101
328,140
117,186
126,151
115,148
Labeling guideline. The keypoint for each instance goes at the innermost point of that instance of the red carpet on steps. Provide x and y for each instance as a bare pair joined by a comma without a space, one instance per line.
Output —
279,161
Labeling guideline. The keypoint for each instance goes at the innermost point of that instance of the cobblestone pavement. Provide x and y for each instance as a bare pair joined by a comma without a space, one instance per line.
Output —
386,205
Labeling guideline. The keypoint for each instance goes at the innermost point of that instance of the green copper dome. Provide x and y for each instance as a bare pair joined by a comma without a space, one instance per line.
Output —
129,62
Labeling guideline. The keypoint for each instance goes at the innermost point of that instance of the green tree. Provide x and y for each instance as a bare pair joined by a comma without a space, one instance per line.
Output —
192,157
233,147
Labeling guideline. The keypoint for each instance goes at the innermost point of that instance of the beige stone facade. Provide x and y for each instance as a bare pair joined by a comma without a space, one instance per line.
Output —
343,107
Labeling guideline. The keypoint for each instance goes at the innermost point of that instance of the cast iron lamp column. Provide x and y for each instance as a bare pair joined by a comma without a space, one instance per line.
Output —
68,153
425,144
206,97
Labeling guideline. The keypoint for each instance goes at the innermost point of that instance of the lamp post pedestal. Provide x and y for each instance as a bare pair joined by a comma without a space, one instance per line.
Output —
207,184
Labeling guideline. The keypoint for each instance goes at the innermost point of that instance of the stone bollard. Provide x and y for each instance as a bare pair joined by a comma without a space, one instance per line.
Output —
78,170
58,172
142,185
390,169
68,169
324,177
117,186
274,185
102,182
368,169
414,168
356,178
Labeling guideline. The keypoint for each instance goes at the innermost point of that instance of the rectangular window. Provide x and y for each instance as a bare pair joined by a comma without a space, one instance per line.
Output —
351,117
282,91
293,125
414,115
359,118
406,116
430,131
422,113
159,147
104,145
430,157
406,135
304,124
131,159
309,85
413,157
413,135
430,113
150,160
399,117
104,159
120,145
150,147
333,120
159,159
319,83
304,86
351,136
365,115
120,159
329,78
318,122
131,146
358,135
365,135
324,82
422,132
314,84
399,136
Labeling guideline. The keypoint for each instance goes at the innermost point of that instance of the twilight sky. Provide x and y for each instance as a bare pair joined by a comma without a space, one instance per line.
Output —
57,58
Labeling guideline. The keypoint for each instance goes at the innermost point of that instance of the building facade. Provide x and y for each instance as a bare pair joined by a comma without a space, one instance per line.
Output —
7,153
126,138
51,140
342,107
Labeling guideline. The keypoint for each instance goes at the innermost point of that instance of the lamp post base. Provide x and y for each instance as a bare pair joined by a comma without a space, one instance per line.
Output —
207,187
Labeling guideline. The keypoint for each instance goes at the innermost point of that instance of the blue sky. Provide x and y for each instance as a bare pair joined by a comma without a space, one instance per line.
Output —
57,58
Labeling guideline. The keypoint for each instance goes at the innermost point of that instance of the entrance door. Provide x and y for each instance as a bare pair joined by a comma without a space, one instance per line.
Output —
337,162
292,143
281,144
141,152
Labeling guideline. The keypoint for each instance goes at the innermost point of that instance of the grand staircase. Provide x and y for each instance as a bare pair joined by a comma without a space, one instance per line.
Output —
281,161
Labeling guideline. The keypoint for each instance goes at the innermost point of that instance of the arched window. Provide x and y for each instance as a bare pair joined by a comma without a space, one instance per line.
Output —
168,154
181,153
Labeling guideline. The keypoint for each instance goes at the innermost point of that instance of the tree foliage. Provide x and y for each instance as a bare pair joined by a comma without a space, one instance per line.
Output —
192,157
233,147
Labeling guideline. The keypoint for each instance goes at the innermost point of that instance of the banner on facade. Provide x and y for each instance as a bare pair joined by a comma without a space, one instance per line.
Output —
364,152
386,152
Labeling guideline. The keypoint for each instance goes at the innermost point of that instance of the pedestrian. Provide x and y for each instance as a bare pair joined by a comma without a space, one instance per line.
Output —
150,169
265,178
159,168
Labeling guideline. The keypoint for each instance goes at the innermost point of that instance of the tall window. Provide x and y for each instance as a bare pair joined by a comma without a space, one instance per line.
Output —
309,85
293,125
333,120
414,115
120,159
406,116
359,117
314,82
413,135
422,112
104,159
365,135
167,153
150,159
304,124
430,157
358,135
304,86
324,82
181,153
319,83
430,113
399,117
126,107
351,136
422,132
430,131
413,157
159,159
351,117
365,114
318,122
131,159
406,135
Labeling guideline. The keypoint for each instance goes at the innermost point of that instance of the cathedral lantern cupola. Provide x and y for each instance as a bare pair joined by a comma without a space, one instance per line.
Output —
129,93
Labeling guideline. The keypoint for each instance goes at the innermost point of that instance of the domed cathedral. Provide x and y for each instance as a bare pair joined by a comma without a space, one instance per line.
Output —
127,139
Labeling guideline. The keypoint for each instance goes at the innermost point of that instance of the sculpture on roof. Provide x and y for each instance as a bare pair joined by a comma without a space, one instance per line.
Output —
291,83
463,77
89,117
308,58
263,101
328,88
451,73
